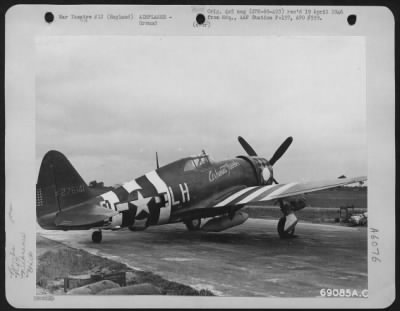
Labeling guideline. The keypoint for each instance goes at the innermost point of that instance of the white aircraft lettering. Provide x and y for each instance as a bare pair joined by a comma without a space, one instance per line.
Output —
185,193
173,202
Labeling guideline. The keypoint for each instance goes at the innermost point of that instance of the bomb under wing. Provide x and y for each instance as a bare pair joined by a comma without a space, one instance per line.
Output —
221,223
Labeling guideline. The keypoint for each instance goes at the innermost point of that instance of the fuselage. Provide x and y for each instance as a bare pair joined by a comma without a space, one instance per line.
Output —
160,196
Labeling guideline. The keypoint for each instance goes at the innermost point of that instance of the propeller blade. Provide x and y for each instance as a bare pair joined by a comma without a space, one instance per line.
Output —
274,180
281,150
250,151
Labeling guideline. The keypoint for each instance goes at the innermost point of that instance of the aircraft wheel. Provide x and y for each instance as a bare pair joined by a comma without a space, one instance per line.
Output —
193,224
281,230
96,236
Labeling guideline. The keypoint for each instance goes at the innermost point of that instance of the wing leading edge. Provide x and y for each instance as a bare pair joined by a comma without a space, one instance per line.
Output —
279,191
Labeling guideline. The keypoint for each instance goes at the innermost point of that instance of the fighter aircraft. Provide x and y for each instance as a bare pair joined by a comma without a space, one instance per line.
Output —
187,190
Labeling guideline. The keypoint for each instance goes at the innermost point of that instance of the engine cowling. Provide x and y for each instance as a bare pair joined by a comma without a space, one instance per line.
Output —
262,169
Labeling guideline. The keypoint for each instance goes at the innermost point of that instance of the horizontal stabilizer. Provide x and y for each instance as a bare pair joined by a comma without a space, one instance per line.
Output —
84,214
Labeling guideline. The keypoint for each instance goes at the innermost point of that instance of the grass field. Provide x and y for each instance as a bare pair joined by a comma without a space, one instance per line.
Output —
336,197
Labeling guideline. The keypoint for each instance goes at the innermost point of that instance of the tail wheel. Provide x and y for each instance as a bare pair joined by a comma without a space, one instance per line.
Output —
281,229
193,224
96,236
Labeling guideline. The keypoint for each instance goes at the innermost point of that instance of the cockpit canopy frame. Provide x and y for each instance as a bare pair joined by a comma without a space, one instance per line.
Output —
200,161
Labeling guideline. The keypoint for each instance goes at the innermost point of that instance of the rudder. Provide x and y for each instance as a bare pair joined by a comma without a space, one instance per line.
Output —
58,186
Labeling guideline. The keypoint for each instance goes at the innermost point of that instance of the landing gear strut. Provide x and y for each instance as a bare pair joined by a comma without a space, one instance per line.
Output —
281,229
96,236
193,224
287,223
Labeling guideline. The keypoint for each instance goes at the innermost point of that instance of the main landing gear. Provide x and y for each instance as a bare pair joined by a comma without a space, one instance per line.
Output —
96,236
287,223
285,234
193,224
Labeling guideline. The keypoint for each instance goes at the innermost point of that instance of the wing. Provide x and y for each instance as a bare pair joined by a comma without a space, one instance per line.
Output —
279,191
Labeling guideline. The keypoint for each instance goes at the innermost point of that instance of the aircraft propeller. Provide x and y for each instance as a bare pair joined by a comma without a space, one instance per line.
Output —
250,151
276,156
281,150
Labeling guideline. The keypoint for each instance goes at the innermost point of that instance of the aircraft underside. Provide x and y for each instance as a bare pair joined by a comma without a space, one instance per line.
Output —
217,223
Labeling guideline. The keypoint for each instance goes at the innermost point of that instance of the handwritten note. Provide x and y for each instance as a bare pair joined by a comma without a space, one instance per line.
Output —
374,240
20,261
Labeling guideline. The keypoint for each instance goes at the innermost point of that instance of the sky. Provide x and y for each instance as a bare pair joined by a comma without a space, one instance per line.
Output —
109,103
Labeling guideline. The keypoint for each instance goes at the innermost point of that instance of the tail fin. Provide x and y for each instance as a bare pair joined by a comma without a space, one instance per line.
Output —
59,185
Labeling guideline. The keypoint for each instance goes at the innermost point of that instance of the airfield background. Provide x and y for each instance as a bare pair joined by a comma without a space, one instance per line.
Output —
322,206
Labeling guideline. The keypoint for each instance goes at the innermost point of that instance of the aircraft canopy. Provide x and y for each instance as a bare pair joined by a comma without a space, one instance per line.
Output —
202,160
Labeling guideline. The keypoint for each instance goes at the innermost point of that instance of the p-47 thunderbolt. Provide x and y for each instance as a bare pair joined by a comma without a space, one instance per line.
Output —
187,190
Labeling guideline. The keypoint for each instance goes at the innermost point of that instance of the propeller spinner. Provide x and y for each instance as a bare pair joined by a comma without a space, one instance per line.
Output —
267,172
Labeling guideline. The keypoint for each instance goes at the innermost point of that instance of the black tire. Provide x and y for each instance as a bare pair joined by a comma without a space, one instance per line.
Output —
96,237
281,231
193,224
